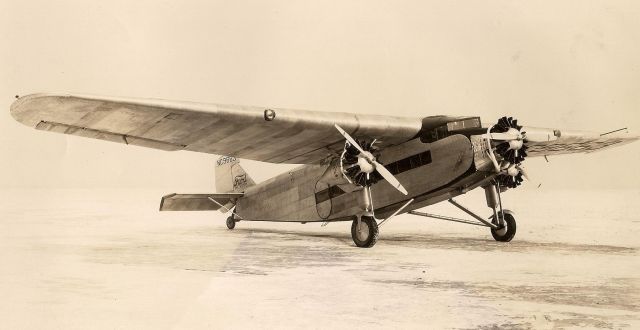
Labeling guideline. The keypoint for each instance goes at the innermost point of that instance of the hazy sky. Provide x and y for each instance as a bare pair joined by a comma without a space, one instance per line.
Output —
565,64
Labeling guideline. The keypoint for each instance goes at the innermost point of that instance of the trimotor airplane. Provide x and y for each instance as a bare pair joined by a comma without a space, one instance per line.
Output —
359,168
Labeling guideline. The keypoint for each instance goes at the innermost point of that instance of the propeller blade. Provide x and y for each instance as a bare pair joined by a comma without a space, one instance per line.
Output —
379,167
389,177
349,138
504,136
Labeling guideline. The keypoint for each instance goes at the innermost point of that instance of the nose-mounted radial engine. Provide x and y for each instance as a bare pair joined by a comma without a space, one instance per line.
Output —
509,142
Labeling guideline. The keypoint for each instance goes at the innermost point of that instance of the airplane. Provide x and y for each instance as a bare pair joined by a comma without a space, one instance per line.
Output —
361,168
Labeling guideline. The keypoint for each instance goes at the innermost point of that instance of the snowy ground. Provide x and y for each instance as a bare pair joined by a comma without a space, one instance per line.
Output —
108,259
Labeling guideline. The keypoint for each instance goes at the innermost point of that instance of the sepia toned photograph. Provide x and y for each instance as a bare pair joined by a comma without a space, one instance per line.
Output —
320,164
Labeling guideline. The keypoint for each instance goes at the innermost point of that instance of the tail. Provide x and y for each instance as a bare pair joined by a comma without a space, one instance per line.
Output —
230,176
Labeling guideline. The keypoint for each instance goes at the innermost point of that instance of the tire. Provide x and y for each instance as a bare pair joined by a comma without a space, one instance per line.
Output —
231,223
508,231
368,235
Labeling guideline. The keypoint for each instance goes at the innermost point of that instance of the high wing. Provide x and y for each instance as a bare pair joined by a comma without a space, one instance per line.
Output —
547,142
257,133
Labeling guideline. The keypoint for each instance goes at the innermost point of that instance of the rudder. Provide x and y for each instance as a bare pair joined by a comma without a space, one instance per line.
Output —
230,176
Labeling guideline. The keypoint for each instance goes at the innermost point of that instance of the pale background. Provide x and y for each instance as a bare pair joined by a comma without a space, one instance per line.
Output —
565,64
85,257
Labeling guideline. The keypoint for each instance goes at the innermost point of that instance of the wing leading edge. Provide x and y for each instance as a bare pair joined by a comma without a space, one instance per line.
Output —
257,133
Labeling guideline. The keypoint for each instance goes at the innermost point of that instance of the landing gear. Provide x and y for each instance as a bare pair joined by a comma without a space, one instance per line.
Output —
506,231
231,222
364,232
502,222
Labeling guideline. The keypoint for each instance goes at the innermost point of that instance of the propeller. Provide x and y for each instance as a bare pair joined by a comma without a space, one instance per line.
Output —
360,165
357,169
511,140
512,175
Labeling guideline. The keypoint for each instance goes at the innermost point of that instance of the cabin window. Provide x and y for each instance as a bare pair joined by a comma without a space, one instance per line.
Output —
404,165
396,167
409,163
425,158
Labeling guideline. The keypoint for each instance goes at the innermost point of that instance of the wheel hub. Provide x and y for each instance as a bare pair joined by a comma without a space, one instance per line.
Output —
502,230
363,231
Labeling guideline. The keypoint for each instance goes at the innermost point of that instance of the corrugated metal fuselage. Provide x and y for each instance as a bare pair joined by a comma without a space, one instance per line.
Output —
301,195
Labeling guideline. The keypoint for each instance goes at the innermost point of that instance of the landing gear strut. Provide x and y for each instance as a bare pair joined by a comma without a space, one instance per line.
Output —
503,219
364,229
502,222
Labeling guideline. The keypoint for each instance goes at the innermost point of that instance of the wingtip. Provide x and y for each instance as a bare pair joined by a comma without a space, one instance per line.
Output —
19,109
25,108
16,105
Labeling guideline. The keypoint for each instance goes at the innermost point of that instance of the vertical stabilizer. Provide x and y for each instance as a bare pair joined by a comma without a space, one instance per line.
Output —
230,176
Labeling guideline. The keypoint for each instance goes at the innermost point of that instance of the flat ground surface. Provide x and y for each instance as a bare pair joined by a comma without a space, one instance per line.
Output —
108,259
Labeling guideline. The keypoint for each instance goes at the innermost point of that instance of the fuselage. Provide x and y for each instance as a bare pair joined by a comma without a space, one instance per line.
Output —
429,172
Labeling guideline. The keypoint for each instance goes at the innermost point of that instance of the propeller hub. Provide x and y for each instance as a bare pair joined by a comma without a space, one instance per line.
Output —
513,170
518,142
515,144
365,164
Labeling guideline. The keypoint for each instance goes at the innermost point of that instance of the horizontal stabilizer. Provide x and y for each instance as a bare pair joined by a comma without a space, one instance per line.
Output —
196,202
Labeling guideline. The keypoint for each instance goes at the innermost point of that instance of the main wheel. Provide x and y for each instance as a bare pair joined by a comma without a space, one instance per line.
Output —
366,234
507,231
231,222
